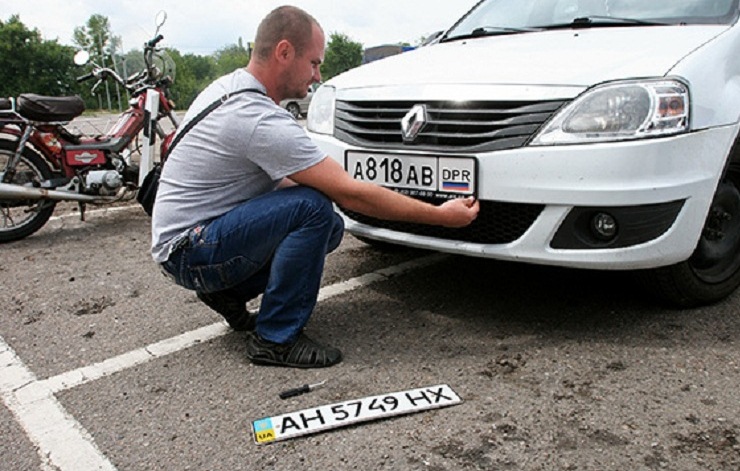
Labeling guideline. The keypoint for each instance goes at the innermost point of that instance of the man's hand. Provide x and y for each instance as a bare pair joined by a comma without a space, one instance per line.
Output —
372,200
460,212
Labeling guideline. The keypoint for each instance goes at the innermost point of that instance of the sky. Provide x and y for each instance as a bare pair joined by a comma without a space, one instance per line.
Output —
204,26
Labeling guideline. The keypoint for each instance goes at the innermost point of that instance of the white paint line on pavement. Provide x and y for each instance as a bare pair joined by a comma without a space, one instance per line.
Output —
94,212
133,358
62,443
378,275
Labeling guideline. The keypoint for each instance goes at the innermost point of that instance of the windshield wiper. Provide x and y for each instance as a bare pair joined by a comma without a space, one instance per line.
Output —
482,31
596,20
580,22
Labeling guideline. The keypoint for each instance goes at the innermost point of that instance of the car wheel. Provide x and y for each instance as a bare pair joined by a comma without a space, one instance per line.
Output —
294,109
713,271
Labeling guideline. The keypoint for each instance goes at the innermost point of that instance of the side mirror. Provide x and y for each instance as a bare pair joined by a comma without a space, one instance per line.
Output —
82,57
160,19
432,38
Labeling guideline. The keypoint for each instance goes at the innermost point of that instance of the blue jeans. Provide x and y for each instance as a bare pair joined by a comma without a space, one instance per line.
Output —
273,245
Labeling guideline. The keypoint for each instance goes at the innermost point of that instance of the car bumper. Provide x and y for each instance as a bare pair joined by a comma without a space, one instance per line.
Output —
674,177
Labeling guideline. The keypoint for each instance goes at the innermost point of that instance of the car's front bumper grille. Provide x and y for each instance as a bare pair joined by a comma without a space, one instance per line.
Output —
497,223
477,126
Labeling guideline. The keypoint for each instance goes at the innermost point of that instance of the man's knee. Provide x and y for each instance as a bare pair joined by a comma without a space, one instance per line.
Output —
319,202
337,232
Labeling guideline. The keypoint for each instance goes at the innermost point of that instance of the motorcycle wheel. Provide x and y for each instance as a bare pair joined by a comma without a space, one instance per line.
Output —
21,218
713,271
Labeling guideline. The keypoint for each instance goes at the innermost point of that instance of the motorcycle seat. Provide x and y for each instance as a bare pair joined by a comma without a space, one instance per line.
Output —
114,144
49,108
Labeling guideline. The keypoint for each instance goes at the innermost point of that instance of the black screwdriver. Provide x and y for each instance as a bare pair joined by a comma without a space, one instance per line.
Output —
300,390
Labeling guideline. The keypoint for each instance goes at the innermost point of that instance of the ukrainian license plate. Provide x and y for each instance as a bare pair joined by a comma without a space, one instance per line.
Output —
415,175
317,419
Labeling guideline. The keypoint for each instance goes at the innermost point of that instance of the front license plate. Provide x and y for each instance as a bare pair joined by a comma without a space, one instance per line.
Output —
415,175
317,419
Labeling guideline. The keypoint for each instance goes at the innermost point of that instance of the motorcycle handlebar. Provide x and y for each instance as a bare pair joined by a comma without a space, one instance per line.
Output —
132,83
82,78
154,41
102,74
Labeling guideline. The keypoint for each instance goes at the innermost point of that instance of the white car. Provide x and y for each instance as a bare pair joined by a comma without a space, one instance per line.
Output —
299,106
600,134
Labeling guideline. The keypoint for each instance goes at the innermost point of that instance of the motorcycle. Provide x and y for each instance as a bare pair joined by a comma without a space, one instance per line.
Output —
43,162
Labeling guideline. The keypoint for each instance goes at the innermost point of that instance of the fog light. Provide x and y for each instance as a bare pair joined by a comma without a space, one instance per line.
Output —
604,226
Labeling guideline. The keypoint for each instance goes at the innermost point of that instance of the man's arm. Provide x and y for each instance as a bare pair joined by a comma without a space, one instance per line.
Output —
372,200
285,183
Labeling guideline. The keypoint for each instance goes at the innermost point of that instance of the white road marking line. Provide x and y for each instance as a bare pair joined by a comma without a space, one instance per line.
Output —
62,443
94,212
133,358
378,275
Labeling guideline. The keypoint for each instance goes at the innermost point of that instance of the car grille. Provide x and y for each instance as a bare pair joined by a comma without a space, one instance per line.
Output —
451,126
497,223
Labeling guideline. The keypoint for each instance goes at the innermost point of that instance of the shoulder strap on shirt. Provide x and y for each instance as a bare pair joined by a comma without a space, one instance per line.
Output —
189,125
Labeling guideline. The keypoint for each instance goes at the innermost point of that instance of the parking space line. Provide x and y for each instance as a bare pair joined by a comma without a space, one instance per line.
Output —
133,358
62,443
175,344
91,212
378,275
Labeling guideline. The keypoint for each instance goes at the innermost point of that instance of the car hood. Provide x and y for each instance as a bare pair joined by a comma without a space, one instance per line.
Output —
565,58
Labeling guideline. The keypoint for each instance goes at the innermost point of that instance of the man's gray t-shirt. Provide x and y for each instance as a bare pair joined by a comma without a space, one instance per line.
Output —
241,150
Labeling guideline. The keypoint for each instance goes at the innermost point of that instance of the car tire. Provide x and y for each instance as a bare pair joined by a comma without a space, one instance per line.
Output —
294,109
713,271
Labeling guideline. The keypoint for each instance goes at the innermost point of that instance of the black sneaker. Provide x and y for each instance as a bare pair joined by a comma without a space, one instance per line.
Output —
232,309
303,353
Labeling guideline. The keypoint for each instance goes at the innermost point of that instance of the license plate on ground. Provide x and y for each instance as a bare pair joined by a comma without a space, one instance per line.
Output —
415,175
317,419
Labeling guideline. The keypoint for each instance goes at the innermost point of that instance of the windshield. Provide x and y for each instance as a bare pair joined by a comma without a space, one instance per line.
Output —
516,16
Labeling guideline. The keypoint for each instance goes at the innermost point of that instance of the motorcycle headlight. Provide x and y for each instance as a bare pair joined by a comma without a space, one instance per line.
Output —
321,111
620,111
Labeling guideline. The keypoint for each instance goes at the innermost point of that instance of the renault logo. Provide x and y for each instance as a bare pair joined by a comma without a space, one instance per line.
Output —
413,122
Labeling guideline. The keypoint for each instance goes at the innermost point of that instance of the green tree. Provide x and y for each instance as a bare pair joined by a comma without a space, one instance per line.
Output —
132,62
194,73
29,64
97,38
231,58
341,55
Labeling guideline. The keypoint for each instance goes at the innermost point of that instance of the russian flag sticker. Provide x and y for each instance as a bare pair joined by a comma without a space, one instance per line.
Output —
456,186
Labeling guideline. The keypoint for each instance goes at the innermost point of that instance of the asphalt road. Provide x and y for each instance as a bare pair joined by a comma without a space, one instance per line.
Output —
104,364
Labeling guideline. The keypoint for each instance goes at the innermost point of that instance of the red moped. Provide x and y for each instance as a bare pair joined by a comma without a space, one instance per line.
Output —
43,162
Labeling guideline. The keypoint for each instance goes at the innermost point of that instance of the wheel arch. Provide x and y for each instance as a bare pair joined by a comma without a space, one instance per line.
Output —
732,165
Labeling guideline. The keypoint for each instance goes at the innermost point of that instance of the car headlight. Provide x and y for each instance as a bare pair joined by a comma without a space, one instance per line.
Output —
620,111
321,111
